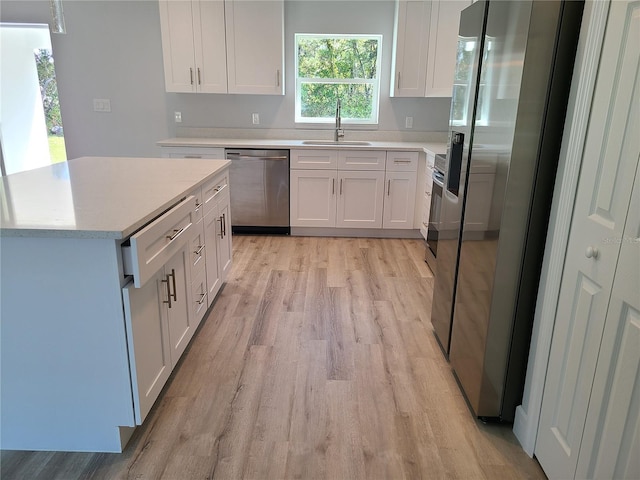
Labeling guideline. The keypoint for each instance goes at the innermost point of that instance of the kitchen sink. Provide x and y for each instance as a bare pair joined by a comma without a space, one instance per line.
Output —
333,142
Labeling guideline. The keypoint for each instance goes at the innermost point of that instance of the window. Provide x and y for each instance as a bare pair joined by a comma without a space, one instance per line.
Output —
332,67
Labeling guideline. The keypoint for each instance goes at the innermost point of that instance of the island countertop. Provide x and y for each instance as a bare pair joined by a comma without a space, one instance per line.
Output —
98,197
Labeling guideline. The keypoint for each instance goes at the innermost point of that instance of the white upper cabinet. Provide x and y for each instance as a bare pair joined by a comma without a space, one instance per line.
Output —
255,46
411,46
223,46
443,45
193,46
425,44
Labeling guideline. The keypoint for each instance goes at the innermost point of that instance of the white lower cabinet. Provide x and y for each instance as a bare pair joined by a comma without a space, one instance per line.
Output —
163,312
360,197
399,200
159,326
217,226
355,191
313,198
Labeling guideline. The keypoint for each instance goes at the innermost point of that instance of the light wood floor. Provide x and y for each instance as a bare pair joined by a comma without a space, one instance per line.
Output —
317,361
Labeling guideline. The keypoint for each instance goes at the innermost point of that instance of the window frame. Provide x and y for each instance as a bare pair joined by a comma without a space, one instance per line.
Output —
375,82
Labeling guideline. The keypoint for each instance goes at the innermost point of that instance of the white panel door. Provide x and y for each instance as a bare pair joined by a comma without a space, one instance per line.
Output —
443,44
214,281
602,202
611,442
147,341
360,197
210,46
176,22
411,48
399,200
255,46
181,318
313,198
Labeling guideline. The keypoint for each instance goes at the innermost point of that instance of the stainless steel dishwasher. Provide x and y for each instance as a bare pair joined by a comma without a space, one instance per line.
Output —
259,181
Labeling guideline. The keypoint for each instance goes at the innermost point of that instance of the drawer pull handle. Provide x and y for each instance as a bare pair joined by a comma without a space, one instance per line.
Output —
333,186
402,161
199,250
176,232
198,205
193,156
202,297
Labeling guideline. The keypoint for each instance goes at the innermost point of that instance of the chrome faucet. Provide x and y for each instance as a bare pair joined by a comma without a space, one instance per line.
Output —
339,133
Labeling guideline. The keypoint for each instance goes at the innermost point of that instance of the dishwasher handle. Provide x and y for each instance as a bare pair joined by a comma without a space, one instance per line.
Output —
244,157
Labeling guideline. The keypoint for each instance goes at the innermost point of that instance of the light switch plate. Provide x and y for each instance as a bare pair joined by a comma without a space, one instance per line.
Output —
177,117
101,105
408,122
255,118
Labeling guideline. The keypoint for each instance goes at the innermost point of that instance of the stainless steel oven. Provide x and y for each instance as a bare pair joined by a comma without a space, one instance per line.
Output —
435,212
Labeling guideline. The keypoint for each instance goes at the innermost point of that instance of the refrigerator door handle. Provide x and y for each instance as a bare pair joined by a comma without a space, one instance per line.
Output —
455,162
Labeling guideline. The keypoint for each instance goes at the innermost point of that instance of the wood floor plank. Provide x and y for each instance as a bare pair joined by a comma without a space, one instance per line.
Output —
317,360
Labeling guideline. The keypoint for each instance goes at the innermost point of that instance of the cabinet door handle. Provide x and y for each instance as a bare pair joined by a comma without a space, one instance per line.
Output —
388,187
221,234
278,77
340,186
224,225
170,295
202,297
198,205
176,232
333,186
199,250
175,292
199,80
398,80
191,75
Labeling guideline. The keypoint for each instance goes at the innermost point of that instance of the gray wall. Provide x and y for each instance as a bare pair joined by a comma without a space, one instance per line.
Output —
112,50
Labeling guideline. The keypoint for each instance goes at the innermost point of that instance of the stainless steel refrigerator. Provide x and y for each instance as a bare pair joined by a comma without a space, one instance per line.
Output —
510,93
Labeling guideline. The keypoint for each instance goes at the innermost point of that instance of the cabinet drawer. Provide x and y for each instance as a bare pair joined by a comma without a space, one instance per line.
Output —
361,159
213,189
402,162
197,248
199,296
323,159
152,246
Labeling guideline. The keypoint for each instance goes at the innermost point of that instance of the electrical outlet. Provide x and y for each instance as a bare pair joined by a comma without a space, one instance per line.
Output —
255,118
101,105
177,116
408,122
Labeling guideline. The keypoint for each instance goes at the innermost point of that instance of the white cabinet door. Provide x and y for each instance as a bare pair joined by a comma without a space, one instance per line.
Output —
255,46
214,281
177,278
210,46
443,44
427,189
411,48
193,46
313,198
176,22
597,231
360,197
224,238
399,200
148,342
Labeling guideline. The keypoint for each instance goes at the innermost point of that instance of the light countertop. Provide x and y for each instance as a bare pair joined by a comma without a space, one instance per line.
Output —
98,197
204,142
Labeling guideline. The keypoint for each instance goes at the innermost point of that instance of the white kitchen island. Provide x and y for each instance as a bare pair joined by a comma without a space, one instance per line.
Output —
74,362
